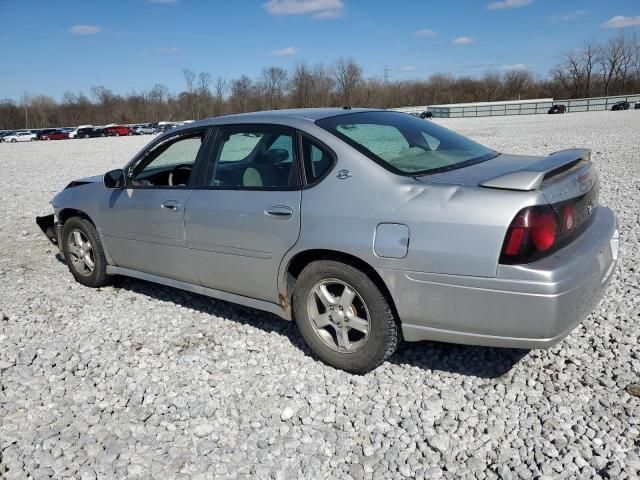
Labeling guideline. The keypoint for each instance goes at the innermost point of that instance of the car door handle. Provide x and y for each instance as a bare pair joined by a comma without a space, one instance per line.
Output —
279,211
171,205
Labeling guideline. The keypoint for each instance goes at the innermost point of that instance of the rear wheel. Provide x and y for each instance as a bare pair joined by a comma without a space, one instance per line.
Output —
84,253
344,317
13,140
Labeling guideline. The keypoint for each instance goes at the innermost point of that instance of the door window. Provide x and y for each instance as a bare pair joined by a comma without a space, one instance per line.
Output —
253,157
169,164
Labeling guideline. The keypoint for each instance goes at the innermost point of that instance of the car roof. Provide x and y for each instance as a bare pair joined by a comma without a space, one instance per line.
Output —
309,114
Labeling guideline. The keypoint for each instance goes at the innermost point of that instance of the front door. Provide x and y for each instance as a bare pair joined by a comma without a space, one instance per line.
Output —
245,215
143,224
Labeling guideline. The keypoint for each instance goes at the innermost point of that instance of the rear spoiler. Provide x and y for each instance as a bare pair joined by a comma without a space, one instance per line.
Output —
531,177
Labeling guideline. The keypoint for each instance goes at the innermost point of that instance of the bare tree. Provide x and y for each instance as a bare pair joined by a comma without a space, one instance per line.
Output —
609,60
189,78
516,83
275,84
348,75
240,92
576,71
188,97
204,82
322,83
221,88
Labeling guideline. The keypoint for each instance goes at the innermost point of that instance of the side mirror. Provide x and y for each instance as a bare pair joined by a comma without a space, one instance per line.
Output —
114,179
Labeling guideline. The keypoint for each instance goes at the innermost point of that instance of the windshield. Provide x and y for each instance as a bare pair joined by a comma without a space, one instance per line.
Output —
405,144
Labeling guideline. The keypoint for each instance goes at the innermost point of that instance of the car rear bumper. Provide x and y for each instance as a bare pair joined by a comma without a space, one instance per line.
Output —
525,306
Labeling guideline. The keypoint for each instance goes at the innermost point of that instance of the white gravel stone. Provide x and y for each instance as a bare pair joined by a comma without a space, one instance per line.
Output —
136,379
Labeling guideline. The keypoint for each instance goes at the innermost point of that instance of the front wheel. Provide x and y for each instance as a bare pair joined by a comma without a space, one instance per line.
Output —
84,253
344,317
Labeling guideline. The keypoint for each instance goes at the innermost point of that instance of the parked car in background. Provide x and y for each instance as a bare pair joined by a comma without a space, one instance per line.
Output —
165,126
637,105
623,105
73,133
557,109
44,131
118,131
21,136
145,130
366,227
90,132
426,114
5,133
55,135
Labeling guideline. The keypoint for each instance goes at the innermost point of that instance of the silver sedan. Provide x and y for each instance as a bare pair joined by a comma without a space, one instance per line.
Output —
366,227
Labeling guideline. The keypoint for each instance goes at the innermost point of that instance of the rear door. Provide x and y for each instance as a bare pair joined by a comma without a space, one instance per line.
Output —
143,224
245,214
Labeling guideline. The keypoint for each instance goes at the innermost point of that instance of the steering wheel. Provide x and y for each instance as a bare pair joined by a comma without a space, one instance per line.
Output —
175,177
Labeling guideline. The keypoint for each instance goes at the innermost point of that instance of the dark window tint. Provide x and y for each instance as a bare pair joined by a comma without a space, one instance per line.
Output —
317,160
405,144
253,157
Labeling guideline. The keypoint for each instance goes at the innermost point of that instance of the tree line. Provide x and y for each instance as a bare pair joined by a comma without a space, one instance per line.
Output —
611,68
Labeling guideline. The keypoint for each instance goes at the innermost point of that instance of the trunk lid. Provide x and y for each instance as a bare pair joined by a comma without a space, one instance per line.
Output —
560,176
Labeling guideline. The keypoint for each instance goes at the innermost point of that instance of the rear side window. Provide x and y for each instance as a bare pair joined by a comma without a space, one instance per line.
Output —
239,146
317,160
249,157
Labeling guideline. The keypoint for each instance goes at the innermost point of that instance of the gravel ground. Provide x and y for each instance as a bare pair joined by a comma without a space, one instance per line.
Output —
137,380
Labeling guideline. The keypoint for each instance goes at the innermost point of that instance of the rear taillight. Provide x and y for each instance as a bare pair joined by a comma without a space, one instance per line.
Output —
538,231
532,232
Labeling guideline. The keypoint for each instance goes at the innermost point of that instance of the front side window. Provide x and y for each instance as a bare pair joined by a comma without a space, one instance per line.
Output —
253,157
168,164
404,144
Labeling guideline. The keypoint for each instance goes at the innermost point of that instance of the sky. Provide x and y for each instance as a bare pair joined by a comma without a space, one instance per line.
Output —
130,45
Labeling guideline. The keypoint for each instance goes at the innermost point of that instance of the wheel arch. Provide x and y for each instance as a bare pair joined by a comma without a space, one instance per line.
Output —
303,258
66,213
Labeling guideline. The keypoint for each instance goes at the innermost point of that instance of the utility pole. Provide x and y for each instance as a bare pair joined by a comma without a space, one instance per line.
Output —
25,102
386,74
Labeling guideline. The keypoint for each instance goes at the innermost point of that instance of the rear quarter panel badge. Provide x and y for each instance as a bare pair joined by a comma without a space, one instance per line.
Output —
343,174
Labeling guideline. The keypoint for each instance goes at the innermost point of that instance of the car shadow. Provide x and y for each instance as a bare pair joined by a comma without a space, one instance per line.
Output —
482,362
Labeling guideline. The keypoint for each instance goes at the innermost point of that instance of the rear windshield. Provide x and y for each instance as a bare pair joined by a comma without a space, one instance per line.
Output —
405,144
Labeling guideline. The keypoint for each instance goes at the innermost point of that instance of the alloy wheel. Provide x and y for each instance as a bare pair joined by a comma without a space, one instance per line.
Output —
339,315
81,253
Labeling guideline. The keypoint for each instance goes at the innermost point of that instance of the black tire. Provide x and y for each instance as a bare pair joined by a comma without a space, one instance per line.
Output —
384,329
98,277
86,135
